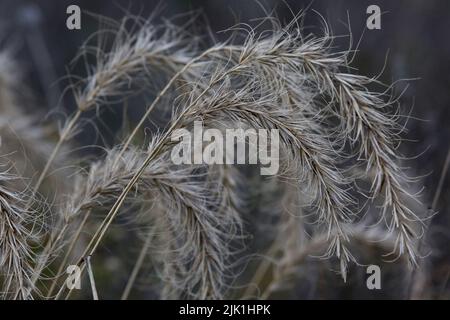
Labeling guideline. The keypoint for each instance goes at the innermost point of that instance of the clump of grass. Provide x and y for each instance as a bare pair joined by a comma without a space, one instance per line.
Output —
279,79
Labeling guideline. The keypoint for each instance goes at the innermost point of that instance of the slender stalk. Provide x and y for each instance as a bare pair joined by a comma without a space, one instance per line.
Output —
91,278
137,267
438,192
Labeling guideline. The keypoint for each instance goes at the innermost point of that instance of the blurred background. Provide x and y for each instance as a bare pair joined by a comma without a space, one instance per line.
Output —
413,43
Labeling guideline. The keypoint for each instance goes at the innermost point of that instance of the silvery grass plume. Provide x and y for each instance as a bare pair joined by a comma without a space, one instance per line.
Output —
18,230
307,65
136,54
190,213
302,67
307,151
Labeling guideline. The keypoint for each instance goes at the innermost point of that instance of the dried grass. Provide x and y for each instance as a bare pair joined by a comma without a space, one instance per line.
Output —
278,79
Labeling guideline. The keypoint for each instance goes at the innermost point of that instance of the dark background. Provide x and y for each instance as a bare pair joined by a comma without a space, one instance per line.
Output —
414,41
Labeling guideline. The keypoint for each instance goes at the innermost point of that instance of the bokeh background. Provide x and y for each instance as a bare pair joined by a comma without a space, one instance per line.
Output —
413,43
